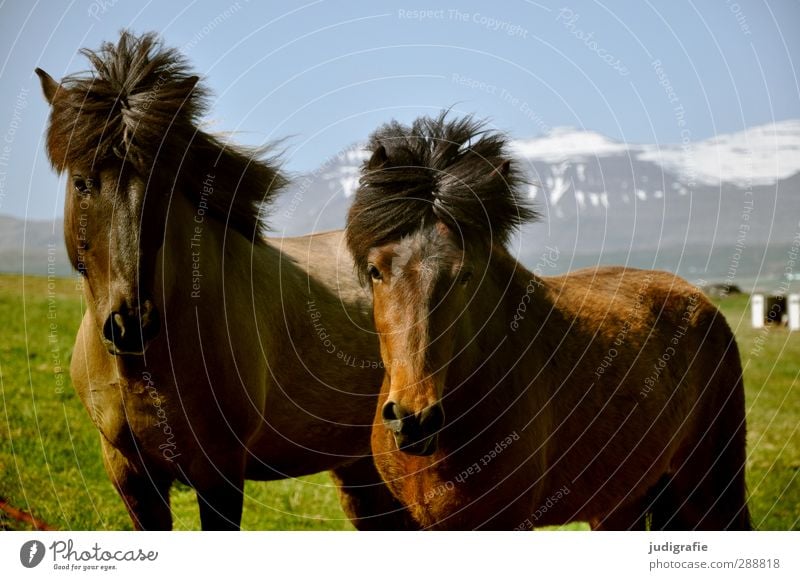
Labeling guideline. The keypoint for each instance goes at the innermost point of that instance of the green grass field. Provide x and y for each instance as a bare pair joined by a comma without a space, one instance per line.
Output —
50,461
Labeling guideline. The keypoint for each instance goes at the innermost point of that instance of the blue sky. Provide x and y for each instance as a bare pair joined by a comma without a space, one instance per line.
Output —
324,74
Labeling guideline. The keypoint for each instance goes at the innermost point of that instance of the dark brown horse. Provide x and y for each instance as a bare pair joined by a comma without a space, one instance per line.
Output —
513,400
207,354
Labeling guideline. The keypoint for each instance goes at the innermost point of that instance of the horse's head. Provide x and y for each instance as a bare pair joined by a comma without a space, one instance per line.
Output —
114,213
421,285
432,201
105,131
114,228
126,135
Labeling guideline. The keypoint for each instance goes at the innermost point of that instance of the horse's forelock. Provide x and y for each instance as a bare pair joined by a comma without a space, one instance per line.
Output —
137,95
454,171
141,104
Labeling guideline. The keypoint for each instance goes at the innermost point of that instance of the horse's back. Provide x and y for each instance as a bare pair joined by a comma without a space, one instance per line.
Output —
649,320
646,301
324,256
621,282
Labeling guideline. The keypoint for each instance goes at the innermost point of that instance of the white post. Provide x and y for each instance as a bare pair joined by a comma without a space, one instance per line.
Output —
794,311
757,310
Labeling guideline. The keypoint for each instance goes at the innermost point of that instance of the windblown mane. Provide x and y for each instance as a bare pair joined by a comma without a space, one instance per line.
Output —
453,171
141,105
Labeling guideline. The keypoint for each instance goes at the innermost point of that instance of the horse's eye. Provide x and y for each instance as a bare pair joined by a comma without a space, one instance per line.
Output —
464,278
82,185
374,273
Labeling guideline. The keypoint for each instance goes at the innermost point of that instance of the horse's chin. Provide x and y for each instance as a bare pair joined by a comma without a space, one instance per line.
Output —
424,448
116,351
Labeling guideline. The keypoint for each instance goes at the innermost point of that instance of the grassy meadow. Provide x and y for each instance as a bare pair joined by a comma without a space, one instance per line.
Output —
50,462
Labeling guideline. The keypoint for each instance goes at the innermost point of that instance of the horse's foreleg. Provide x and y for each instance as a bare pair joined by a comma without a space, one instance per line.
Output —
366,500
144,491
221,504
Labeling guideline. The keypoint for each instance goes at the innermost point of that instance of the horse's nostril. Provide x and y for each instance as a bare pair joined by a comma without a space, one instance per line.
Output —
390,412
114,328
131,329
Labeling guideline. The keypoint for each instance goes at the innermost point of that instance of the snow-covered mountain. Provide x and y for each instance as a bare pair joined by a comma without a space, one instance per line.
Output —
705,207
757,156
724,207
760,155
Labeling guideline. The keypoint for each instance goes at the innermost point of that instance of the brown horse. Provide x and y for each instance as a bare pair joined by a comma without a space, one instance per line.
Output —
513,400
207,354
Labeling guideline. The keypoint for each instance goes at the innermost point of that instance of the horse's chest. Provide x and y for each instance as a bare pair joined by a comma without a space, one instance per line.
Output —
430,497
436,497
134,416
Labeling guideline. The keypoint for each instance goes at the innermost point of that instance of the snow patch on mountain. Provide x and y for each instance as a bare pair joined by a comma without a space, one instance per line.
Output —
590,171
567,144
756,156
345,175
760,155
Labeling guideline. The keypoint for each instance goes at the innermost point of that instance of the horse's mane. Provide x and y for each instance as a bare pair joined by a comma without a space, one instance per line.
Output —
141,104
453,171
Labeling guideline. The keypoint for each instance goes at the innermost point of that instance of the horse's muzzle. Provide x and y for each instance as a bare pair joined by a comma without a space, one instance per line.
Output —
414,433
128,331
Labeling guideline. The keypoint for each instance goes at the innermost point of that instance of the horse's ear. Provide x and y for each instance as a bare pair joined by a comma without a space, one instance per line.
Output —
49,85
378,159
503,169
191,82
